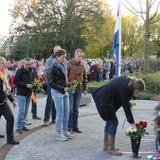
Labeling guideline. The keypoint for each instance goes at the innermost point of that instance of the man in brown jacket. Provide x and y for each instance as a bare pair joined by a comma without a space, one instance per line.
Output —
78,83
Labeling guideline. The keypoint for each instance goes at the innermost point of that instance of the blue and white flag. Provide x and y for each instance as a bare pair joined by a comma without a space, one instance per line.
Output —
117,41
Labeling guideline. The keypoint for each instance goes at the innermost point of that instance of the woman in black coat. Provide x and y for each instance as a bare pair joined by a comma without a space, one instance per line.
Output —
109,98
57,81
5,93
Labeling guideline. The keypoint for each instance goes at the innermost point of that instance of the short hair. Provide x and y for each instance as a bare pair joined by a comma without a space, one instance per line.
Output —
79,51
56,48
60,52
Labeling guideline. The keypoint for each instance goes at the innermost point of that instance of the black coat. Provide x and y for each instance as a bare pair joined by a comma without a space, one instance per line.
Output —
3,96
21,79
56,79
110,97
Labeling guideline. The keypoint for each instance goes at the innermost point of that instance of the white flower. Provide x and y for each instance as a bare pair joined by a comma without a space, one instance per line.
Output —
131,130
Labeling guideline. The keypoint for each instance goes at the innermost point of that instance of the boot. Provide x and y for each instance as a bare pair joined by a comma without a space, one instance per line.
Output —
105,141
111,146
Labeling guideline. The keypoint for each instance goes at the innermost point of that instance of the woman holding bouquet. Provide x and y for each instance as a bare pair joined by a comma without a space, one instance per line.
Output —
5,92
57,80
109,98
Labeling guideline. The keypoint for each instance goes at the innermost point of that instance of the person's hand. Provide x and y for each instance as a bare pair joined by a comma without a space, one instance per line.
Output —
66,89
29,86
14,104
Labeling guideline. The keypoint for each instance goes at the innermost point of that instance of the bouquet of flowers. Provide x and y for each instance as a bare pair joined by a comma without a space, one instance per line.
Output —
74,85
38,85
138,131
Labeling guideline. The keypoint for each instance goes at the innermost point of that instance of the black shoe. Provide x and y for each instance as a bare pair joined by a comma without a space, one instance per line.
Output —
13,142
1,136
36,117
19,131
25,129
77,130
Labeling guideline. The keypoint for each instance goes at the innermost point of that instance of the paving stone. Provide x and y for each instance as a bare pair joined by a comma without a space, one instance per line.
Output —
41,145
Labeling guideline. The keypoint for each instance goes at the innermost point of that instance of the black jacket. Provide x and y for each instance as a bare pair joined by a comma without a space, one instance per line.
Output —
56,79
110,97
21,79
3,96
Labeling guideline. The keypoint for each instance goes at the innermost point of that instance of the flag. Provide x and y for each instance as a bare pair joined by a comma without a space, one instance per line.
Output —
117,41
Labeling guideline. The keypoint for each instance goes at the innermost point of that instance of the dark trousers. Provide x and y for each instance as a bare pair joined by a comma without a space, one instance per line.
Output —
111,126
8,115
74,99
34,109
50,107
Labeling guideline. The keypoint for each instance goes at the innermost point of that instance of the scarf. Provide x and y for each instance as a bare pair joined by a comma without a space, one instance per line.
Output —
6,85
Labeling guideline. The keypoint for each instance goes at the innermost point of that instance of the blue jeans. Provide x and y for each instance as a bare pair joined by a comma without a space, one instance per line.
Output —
111,126
74,109
50,107
62,110
23,104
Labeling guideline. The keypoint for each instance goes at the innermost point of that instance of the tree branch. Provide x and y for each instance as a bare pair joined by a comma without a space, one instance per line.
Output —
134,11
156,12
34,19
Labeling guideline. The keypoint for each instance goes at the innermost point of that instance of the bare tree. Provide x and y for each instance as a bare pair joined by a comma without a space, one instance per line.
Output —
146,13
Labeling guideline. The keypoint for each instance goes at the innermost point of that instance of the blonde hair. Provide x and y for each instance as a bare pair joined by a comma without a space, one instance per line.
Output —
137,83
56,48
79,51
2,59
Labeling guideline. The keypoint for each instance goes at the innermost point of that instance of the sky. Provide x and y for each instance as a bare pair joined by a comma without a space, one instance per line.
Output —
5,19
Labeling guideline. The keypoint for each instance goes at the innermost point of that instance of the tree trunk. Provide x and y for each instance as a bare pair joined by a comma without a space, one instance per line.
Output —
146,38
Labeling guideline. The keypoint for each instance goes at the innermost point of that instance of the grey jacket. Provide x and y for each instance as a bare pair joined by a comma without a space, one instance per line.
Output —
48,64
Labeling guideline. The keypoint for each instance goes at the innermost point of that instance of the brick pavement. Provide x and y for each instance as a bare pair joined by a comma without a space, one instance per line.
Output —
41,144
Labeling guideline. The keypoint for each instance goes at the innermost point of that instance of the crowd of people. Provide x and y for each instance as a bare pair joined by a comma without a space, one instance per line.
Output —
65,81
98,69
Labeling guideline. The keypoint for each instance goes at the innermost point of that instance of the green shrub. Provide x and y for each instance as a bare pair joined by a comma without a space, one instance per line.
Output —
146,95
152,81
95,84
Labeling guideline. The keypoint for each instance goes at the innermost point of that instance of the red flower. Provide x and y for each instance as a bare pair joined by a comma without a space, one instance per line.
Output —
141,123
137,125
145,124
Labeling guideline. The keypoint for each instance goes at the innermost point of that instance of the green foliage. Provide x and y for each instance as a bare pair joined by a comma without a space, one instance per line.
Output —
152,81
95,84
132,36
146,95
48,23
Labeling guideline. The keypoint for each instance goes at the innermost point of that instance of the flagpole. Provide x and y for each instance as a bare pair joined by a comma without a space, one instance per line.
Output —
117,41
120,40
